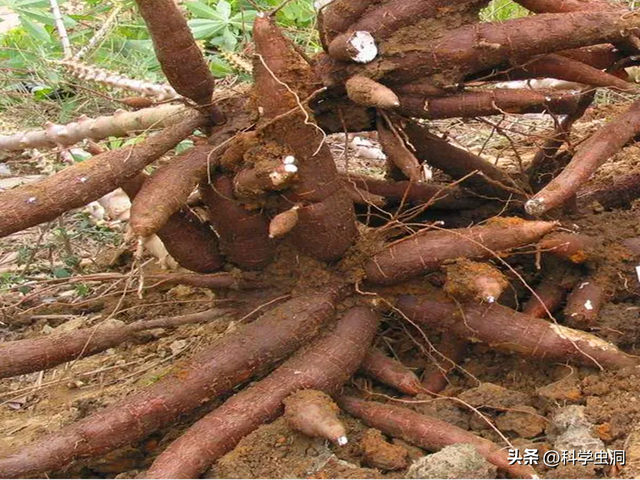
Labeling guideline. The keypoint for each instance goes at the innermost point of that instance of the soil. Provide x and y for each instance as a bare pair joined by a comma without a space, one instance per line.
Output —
500,397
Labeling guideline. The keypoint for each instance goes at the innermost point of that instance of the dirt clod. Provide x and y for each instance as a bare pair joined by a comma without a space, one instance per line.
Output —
379,453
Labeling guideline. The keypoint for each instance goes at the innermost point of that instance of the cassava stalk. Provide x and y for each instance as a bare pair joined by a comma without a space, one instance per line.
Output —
120,124
160,92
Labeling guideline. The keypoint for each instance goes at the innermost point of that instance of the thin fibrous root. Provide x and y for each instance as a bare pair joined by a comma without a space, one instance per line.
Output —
32,355
216,369
315,414
390,372
82,183
160,92
324,365
590,155
506,329
426,250
120,124
428,432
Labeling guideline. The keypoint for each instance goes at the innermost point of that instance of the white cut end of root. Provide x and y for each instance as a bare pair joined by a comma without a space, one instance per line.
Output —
638,272
490,299
31,200
289,160
365,47
290,168
535,206
588,305
342,441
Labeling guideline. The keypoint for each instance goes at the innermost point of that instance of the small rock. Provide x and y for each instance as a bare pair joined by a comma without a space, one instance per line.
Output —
379,453
456,461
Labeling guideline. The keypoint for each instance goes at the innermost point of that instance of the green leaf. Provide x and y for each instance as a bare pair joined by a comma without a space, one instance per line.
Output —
224,9
202,28
61,273
201,10
36,30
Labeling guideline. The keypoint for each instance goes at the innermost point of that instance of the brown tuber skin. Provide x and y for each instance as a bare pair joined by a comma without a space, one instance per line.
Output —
551,291
391,372
32,355
190,242
563,68
425,251
397,151
506,329
570,246
479,175
210,372
428,432
167,190
584,302
589,156
324,365
315,414
370,93
180,57
485,103
244,235
439,197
